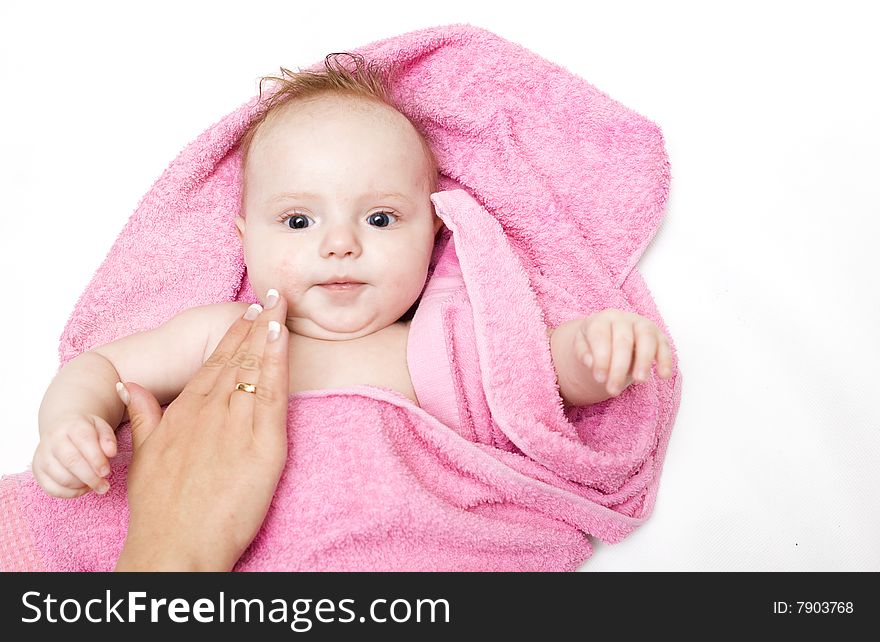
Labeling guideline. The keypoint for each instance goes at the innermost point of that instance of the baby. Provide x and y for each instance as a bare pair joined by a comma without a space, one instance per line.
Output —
336,218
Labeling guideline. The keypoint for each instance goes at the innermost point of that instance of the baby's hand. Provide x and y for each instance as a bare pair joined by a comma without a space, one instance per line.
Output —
71,458
622,346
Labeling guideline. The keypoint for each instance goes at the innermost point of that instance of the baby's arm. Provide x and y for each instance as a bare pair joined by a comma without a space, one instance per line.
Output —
575,390
81,410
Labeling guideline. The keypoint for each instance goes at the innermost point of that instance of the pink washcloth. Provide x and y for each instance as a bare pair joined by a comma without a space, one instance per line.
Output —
550,192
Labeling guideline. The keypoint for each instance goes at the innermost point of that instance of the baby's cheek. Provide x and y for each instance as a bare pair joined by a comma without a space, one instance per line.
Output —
407,288
289,276
264,274
292,281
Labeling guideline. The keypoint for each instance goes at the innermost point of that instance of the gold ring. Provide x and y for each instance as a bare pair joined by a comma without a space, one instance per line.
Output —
246,387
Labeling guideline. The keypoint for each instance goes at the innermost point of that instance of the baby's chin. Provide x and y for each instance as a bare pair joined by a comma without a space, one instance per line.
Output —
338,328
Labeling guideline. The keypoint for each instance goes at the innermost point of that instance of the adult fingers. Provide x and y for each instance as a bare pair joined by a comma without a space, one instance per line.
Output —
244,367
264,364
144,413
273,392
205,380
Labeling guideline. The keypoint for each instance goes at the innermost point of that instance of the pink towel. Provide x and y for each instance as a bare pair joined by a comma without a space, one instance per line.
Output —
550,191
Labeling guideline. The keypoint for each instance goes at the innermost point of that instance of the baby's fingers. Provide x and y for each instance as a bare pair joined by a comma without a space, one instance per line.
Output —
70,457
646,348
664,357
582,350
621,356
598,336
58,482
86,441
106,437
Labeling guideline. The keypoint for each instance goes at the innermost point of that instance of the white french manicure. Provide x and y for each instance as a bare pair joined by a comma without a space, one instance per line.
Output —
274,330
253,311
122,391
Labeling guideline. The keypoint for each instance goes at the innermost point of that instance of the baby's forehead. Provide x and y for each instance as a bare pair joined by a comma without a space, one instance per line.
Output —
385,124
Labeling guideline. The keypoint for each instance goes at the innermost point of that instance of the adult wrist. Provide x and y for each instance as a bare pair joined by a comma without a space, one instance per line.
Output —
159,558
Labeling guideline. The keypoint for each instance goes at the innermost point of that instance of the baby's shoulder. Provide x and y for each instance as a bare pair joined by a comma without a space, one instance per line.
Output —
221,316
227,311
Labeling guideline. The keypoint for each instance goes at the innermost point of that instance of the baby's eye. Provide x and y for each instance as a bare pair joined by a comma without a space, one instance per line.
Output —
381,216
297,221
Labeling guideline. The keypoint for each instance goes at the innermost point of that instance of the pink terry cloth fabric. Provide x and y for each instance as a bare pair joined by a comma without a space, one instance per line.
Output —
550,192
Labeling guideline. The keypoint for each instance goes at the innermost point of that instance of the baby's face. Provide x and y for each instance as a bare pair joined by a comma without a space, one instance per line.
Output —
337,189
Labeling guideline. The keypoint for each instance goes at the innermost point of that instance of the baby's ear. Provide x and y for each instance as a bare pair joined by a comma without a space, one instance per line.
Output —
240,225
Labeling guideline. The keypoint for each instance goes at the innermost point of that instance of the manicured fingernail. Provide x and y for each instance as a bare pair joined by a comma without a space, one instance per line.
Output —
588,360
253,311
600,376
104,471
271,298
274,330
612,390
102,488
642,375
123,393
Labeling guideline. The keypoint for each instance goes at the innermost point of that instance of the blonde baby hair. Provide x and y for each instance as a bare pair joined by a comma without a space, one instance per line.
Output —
365,81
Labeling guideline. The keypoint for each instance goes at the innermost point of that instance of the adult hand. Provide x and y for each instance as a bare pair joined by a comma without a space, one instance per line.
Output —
202,476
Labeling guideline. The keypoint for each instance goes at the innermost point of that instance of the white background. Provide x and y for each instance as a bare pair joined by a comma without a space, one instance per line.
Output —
763,269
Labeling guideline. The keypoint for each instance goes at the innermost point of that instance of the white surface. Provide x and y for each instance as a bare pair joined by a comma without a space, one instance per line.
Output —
764,268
